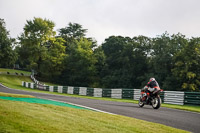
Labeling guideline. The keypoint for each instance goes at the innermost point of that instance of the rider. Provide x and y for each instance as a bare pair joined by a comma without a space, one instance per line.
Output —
151,86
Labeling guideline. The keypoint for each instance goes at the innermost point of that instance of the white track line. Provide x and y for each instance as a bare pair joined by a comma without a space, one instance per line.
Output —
82,106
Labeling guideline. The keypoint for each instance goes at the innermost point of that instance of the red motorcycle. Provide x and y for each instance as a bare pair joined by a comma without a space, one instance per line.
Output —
151,97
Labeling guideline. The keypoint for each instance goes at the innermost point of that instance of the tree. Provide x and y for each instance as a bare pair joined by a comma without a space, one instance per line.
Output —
125,63
142,61
7,55
187,62
99,65
164,49
34,42
79,64
177,43
80,60
54,63
161,60
74,31
115,73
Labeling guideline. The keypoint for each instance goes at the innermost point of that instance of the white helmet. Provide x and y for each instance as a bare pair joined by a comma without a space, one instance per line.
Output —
152,79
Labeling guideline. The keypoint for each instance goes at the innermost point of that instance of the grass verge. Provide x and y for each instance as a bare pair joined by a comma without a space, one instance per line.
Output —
49,118
14,81
183,107
13,71
15,95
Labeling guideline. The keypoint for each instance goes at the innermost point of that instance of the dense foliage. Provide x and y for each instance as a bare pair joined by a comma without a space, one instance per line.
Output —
70,58
7,55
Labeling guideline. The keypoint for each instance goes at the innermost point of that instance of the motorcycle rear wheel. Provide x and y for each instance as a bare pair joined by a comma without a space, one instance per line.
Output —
156,102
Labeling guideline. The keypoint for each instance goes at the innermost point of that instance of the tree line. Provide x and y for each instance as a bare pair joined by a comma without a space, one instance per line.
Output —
69,57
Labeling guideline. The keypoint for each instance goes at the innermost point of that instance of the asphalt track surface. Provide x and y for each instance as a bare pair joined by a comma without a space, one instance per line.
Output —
185,120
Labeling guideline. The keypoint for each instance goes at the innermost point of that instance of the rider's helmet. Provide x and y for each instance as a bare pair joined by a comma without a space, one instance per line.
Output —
152,79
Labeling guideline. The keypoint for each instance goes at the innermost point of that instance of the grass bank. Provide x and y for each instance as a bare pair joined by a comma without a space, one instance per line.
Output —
13,71
15,95
14,81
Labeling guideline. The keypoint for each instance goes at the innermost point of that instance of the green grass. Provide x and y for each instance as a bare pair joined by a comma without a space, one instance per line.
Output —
183,107
15,95
24,117
14,82
13,71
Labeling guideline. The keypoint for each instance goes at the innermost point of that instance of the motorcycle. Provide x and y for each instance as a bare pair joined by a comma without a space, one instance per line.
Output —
152,97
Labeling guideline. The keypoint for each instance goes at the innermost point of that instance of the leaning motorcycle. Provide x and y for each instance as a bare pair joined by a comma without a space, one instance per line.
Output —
152,97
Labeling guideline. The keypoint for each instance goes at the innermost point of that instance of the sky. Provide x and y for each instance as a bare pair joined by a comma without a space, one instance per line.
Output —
104,18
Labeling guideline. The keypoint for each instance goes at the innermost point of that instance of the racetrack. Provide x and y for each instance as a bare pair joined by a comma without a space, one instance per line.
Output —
171,117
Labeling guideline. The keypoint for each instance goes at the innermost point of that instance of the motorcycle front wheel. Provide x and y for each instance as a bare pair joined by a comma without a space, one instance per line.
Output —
140,103
156,102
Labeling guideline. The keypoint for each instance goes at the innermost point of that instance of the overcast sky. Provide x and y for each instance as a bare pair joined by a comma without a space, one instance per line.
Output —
104,18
